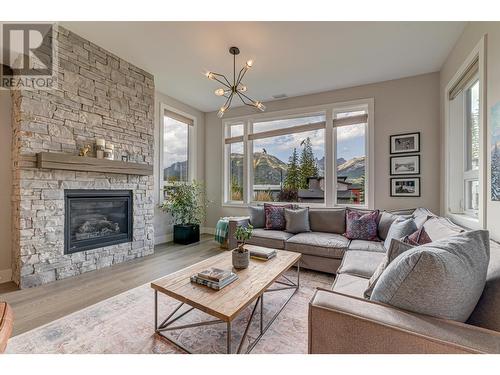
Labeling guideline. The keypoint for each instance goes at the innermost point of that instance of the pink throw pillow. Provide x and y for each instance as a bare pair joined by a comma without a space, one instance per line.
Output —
275,216
361,225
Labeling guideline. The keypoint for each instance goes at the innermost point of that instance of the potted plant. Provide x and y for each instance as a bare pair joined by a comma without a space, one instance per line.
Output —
186,202
241,256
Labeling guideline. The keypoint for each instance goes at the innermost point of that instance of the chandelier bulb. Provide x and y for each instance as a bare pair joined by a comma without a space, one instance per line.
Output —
249,64
219,92
260,106
210,75
221,112
242,88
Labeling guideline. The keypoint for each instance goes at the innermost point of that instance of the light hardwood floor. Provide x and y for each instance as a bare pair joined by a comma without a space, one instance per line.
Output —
37,306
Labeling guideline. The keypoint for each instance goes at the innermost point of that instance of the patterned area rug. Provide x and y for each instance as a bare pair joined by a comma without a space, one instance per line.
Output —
124,324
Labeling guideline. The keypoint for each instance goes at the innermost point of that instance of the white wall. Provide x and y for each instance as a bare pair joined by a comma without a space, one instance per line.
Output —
464,46
162,221
5,185
403,105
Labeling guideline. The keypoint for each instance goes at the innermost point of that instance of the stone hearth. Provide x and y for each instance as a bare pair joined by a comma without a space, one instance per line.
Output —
99,96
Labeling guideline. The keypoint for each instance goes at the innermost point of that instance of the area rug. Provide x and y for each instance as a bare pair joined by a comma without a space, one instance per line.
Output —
124,324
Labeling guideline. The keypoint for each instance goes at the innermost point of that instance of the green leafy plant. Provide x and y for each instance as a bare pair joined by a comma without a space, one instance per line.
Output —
243,234
186,202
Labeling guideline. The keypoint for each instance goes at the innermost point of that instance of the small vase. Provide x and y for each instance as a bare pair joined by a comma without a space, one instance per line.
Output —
241,260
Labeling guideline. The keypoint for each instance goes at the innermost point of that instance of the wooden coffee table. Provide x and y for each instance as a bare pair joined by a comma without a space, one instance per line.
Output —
225,305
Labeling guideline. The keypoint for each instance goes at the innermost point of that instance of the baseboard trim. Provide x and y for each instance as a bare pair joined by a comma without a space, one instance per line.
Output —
169,237
5,275
207,230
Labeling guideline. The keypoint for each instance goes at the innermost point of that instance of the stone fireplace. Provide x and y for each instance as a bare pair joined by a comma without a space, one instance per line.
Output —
55,234
96,218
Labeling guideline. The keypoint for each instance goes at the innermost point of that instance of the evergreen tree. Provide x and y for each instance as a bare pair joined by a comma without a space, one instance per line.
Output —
292,179
308,167
495,173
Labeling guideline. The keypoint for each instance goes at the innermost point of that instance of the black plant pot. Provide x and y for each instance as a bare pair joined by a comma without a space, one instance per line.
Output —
186,234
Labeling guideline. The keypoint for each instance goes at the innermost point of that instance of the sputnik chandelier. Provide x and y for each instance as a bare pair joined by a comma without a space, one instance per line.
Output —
235,88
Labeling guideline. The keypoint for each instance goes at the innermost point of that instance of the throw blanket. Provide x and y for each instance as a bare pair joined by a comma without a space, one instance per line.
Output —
221,230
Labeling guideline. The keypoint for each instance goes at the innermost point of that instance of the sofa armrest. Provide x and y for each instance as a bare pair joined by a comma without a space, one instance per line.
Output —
339,323
232,243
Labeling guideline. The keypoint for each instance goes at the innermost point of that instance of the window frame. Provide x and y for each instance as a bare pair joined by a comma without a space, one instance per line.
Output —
192,170
330,143
467,218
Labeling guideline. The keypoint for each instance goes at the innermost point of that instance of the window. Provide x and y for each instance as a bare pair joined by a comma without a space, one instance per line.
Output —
464,144
292,158
175,163
350,128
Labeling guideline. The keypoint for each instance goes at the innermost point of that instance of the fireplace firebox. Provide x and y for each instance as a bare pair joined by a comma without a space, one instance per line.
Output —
96,218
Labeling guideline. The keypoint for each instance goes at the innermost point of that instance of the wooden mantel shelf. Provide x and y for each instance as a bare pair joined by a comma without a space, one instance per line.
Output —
53,160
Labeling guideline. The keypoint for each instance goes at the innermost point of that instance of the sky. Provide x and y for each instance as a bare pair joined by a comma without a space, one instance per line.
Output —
175,142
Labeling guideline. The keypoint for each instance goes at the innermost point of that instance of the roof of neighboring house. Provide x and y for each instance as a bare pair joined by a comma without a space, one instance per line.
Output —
311,193
345,194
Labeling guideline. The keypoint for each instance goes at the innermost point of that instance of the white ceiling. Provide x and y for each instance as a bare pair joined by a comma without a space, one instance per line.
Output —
292,58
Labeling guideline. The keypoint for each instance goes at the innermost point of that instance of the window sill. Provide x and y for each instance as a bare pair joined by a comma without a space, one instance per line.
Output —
310,205
464,220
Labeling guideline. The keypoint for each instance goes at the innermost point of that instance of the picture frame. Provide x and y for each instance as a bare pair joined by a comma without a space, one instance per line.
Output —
404,143
404,165
405,187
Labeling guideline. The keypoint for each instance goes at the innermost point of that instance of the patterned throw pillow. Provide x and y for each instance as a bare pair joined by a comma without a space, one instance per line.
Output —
361,225
420,237
275,216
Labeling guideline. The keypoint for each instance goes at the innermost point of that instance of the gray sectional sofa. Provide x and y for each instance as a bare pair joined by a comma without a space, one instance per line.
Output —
342,320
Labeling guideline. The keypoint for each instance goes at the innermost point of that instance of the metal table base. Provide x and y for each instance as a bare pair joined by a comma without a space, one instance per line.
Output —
166,324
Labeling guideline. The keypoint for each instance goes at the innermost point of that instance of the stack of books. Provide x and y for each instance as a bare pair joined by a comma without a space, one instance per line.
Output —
214,278
262,253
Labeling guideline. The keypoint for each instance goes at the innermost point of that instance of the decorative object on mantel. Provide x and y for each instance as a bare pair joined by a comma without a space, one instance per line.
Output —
187,203
57,160
85,150
109,151
241,256
125,158
100,145
236,87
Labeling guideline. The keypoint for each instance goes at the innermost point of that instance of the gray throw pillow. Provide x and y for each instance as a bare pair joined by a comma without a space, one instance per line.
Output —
396,248
297,221
400,228
257,216
386,220
444,278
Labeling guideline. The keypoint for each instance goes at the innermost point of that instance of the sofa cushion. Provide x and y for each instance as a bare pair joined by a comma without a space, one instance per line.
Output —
297,221
350,284
367,246
444,278
384,223
257,216
440,227
327,221
361,263
269,238
486,313
361,225
327,245
421,215
400,228
396,248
